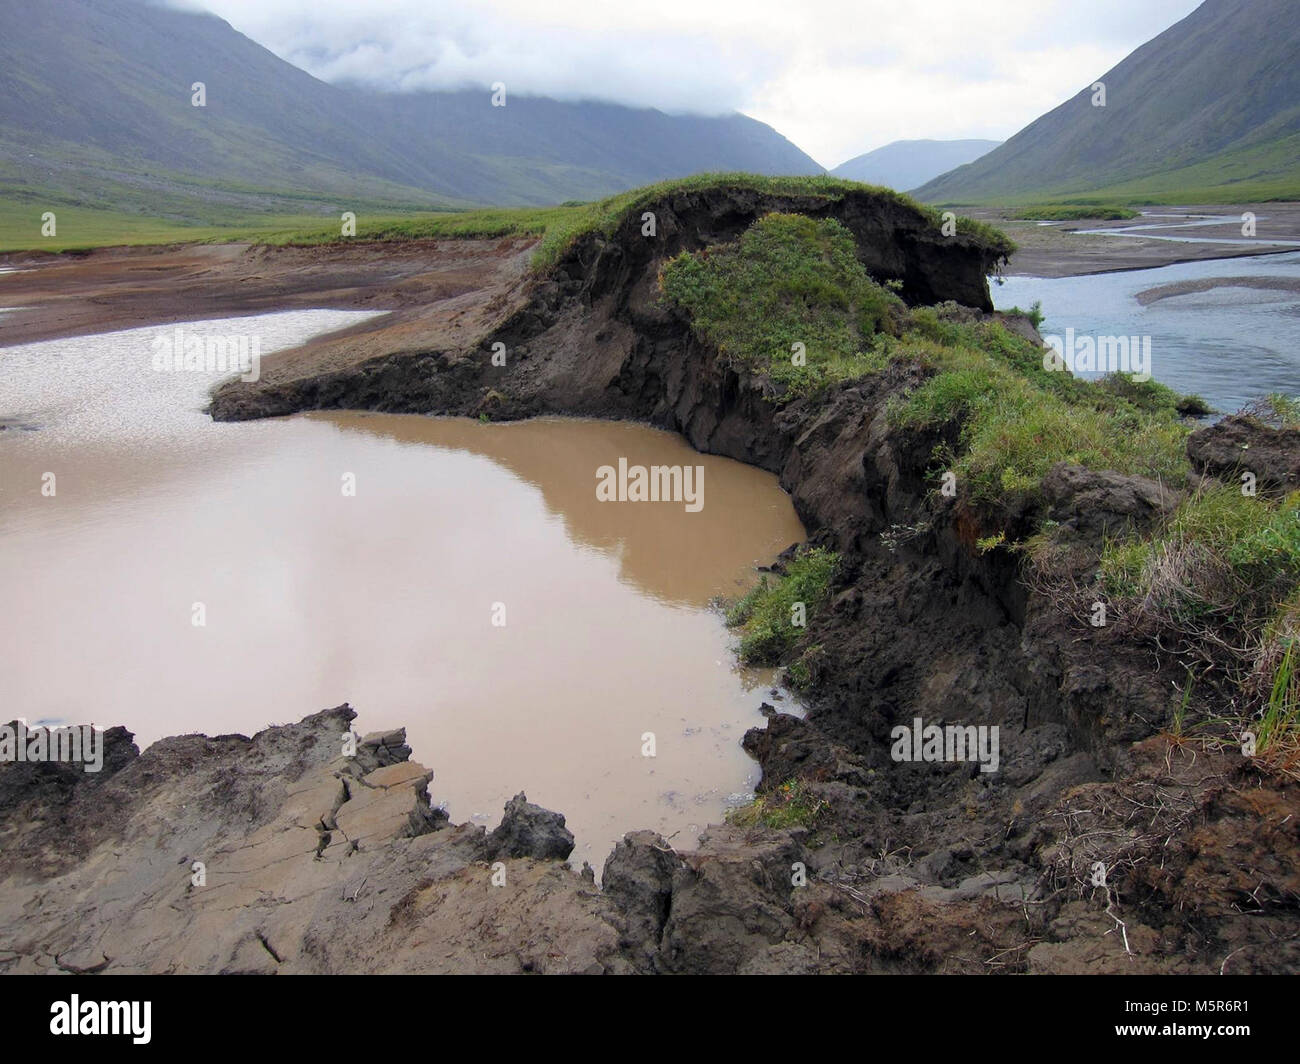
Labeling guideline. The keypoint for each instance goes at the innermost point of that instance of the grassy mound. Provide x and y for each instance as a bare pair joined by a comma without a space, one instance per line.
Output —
790,298
559,227
773,616
1019,418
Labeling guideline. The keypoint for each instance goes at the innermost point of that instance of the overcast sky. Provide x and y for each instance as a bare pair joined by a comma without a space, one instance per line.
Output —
838,77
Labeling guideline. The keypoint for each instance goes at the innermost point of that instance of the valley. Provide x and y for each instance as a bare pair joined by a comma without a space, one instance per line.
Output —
1066,710
479,496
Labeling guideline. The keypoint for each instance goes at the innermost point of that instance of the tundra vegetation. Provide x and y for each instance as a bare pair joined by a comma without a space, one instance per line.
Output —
1073,212
791,805
557,227
560,227
1222,572
767,616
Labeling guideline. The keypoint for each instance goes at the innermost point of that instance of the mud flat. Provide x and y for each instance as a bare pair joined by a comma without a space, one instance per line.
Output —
909,867
280,854
435,292
1070,248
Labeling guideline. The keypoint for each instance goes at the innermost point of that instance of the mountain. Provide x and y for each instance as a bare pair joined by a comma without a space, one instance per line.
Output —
906,164
95,109
1210,108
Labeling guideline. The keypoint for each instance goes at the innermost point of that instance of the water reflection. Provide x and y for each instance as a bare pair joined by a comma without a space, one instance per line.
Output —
677,557
384,598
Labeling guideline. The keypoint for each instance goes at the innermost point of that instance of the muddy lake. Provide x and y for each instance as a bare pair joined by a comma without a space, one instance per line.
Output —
460,579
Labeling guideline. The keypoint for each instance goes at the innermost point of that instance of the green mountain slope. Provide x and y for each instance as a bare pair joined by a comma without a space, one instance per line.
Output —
95,110
1208,109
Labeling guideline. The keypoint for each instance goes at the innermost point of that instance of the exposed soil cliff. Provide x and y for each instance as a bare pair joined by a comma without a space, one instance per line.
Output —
590,336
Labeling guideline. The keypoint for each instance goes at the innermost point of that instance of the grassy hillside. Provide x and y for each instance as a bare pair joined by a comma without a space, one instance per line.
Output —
96,110
1208,111
556,227
1219,575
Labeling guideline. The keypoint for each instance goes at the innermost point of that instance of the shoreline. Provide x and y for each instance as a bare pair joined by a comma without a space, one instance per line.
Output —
1159,265
1052,251
428,293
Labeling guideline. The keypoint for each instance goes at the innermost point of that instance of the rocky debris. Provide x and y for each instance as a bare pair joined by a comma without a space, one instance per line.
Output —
731,902
278,854
790,747
1020,325
378,749
1097,504
32,780
638,878
528,830
61,805
1238,445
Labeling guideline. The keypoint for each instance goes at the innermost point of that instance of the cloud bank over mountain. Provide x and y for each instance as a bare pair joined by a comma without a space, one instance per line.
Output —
838,77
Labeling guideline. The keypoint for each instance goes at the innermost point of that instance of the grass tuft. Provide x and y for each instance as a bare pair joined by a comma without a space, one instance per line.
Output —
1276,410
1220,581
766,616
1019,418
790,298
790,805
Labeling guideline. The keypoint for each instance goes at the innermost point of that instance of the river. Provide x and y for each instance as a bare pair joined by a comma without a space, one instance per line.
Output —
1223,329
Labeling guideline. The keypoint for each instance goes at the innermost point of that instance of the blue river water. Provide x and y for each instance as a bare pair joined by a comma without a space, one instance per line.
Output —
1229,343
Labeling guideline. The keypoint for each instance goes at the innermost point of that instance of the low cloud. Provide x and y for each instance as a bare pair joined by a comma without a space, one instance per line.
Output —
838,77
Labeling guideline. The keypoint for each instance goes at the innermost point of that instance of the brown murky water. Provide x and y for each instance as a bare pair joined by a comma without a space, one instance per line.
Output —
460,579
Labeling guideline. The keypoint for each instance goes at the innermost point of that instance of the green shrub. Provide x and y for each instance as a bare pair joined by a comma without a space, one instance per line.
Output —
789,805
1034,314
790,280
765,616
